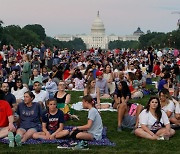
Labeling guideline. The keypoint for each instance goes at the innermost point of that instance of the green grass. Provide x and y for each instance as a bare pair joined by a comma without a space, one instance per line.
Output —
125,142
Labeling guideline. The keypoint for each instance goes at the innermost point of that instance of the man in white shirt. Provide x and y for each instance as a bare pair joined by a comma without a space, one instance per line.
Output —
159,54
131,68
41,96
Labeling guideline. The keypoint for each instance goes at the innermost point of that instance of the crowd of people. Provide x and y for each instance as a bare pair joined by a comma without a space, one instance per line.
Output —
35,84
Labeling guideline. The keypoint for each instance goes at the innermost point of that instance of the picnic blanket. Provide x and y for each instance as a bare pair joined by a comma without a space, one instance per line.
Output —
79,107
103,142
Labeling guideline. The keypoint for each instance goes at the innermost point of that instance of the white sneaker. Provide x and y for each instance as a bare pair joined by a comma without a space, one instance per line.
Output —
160,138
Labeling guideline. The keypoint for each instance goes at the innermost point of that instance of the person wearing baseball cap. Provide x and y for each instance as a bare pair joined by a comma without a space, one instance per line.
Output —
101,83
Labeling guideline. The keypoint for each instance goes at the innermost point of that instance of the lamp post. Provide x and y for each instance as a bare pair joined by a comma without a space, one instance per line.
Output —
169,40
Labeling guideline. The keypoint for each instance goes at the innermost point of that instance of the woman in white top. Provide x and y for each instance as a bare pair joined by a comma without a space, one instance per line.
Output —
79,80
94,91
18,90
168,106
153,122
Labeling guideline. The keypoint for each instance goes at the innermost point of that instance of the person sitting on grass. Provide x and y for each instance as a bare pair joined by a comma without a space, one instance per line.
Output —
101,83
164,83
62,96
153,122
52,123
167,104
29,115
94,91
134,86
128,118
7,119
94,127
121,94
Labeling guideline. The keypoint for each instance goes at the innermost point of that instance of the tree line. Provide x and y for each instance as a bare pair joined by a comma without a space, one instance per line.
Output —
33,35
157,40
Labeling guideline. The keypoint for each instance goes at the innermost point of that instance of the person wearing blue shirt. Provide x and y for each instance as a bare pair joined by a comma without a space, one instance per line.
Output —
52,123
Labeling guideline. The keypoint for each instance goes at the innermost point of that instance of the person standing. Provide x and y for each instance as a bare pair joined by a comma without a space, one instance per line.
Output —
150,59
26,72
42,54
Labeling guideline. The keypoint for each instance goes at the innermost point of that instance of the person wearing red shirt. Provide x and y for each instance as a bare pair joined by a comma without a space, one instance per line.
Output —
67,74
6,116
157,69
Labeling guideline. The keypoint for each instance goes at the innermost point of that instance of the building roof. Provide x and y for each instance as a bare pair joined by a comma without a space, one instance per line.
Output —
138,31
97,26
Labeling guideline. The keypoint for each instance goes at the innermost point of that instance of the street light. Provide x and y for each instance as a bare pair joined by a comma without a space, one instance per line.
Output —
170,37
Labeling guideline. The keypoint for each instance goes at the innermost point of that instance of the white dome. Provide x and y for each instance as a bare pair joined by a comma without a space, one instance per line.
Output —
97,26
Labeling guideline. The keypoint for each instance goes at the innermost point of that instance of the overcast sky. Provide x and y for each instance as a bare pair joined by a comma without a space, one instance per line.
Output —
121,17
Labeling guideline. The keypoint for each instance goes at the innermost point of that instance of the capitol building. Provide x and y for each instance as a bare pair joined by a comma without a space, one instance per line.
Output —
98,38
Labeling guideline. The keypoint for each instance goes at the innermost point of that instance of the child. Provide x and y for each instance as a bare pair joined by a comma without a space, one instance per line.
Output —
52,123
93,128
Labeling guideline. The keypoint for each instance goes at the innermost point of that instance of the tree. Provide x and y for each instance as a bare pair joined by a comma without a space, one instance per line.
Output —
38,29
155,39
123,44
13,34
1,23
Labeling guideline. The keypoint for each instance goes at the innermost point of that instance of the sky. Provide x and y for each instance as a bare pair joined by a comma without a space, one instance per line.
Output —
120,17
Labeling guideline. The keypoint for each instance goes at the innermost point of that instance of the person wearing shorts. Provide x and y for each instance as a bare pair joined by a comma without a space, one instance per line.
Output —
52,123
125,120
29,115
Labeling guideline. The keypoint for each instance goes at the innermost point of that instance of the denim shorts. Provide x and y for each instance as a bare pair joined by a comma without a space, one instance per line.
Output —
128,121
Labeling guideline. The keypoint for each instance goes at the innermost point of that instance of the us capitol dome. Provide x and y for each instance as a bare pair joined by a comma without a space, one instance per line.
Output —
97,26
98,38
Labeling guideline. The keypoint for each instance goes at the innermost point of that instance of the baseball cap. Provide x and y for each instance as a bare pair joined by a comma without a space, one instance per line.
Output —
99,73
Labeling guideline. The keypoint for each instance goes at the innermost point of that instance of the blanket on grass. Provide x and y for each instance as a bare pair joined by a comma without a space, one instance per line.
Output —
79,107
103,142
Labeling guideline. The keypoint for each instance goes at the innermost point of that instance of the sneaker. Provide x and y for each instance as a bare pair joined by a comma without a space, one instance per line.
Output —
73,143
119,129
82,145
64,145
160,138
11,139
18,140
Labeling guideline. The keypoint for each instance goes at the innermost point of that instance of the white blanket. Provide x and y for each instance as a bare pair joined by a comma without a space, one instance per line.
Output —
79,107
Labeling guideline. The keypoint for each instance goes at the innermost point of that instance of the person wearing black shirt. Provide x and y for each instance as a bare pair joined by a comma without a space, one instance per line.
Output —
10,98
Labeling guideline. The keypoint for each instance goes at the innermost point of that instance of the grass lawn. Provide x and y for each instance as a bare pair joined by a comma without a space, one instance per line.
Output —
125,142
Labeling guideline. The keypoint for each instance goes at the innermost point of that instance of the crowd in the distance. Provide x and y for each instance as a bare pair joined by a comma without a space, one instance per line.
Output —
34,84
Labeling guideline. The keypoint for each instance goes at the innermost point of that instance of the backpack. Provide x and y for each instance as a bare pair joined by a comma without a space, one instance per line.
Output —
132,110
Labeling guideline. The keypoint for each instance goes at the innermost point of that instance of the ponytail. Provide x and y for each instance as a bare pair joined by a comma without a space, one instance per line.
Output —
89,99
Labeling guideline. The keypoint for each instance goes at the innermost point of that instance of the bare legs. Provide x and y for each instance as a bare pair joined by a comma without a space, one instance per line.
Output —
25,135
122,111
42,135
84,136
141,133
3,132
